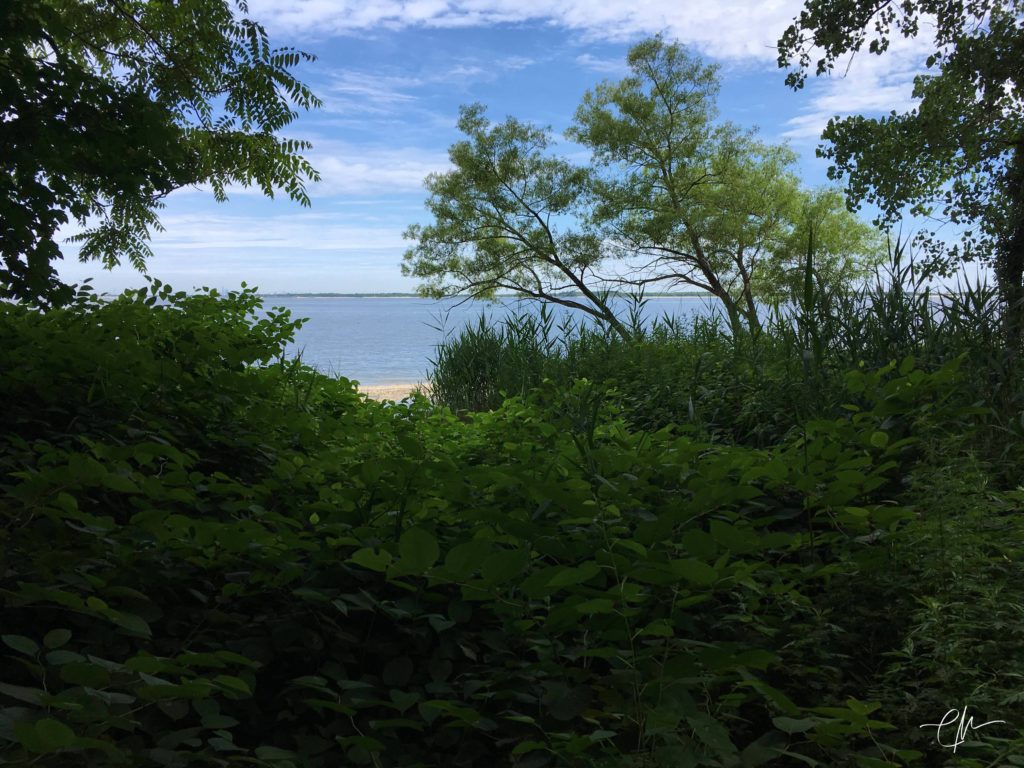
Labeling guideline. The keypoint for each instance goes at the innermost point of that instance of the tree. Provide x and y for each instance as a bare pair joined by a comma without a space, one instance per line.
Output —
110,105
705,205
670,198
958,153
505,218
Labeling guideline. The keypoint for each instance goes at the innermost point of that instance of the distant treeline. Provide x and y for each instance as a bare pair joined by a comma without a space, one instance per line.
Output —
658,295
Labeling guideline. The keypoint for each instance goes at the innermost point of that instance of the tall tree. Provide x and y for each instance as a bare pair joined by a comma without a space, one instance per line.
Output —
107,106
671,198
959,153
700,203
506,219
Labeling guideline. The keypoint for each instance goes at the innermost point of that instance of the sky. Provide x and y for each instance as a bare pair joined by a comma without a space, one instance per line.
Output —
392,75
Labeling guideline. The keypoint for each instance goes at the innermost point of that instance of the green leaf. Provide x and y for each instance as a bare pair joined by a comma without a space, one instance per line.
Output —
274,753
504,564
597,605
22,693
418,550
466,558
733,537
699,544
879,439
793,725
55,734
56,638
528,746
571,576
233,683
134,625
371,559
711,732
21,644
694,571
63,657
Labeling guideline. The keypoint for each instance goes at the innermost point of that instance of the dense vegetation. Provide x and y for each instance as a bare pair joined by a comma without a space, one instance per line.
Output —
789,536
215,556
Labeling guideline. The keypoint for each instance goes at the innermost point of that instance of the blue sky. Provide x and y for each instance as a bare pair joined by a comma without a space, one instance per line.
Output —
392,74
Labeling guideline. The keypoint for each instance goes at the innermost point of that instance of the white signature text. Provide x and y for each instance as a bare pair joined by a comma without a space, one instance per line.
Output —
963,723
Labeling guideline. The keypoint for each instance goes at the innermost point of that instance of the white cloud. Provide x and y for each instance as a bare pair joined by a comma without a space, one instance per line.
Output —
350,170
349,91
616,67
302,231
352,91
739,29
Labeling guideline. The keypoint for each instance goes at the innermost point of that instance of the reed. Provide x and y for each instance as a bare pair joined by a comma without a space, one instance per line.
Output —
693,373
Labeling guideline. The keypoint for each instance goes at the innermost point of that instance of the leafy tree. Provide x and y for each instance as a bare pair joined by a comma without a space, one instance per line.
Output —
844,249
958,153
504,220
706,204
109,106
671,197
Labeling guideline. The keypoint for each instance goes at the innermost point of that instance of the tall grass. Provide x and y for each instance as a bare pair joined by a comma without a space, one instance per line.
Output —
693,373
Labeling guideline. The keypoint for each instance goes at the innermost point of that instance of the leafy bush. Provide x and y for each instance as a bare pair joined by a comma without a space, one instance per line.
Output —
212,556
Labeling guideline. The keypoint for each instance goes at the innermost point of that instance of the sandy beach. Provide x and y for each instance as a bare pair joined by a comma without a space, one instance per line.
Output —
391,391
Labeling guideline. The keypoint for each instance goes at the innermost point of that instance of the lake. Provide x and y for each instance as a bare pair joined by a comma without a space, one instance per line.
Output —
390,340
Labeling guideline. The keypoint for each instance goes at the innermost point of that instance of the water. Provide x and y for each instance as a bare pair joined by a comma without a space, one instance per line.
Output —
383,340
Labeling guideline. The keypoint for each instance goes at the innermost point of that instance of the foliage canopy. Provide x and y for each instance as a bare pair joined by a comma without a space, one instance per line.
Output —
109,106
671,197
957,155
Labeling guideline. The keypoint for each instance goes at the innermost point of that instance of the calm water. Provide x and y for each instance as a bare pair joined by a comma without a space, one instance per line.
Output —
391,340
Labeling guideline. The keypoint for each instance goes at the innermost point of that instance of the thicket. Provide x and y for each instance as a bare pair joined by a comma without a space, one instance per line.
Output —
753,389
211,555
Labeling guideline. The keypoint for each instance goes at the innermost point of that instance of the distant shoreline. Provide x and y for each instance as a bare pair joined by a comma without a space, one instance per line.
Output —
686,295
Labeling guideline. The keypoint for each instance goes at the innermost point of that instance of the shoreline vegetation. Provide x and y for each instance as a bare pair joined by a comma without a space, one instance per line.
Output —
327,295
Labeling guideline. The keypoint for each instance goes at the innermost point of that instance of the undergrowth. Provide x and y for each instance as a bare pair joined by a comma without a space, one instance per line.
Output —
211,555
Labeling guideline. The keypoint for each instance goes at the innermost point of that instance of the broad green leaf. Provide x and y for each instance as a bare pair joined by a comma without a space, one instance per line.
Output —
597,605
572,576
56,638
466,558
55,733
135,625
695,571
793,725
418,550
371,559
699,544
21,644
503,564
711,732
233,683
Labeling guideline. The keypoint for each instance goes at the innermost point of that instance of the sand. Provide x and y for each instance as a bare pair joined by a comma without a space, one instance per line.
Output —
391,391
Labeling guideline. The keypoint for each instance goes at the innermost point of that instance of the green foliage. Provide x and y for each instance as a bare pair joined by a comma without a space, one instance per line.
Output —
701,203
110,106
957,155
213,556
670,196
499,220
695,375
